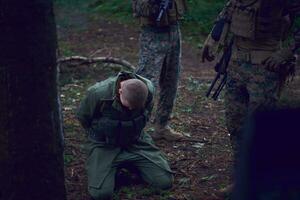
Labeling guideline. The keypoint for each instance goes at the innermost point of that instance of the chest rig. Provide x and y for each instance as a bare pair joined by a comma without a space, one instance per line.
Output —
116,127
148,14
257,19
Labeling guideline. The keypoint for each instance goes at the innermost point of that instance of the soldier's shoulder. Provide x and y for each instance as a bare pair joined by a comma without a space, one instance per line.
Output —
103,89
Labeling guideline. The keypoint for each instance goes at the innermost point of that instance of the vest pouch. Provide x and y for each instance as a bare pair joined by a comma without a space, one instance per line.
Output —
128,134
105,129
270,22
143,9
96,132
243,22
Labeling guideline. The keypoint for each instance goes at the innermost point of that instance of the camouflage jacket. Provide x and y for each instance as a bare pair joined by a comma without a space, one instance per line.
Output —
260,26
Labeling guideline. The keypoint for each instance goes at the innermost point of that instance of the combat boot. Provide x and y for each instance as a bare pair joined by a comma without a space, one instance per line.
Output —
167,133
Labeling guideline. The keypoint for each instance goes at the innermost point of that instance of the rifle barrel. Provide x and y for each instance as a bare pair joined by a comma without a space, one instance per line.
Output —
220,88
213,84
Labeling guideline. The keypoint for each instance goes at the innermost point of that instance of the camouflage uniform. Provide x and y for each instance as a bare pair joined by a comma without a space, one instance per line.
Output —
160,52
257,37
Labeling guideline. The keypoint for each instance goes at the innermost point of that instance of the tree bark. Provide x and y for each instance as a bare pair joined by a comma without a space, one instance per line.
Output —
31,142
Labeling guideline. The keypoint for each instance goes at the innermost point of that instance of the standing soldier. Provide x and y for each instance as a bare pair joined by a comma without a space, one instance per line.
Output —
160,54
260,63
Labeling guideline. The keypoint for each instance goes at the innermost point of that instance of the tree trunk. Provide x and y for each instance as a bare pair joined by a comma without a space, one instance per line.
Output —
31,142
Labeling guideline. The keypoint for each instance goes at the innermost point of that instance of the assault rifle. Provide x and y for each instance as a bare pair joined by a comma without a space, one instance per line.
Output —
221,69
164,6
221,65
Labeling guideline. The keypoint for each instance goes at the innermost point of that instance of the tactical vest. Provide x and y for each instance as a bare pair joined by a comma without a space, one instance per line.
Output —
257,19
177,11
117,128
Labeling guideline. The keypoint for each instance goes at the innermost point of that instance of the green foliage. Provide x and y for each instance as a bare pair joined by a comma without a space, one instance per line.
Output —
118,9
65,49
196,24
199,18
201,14
68,158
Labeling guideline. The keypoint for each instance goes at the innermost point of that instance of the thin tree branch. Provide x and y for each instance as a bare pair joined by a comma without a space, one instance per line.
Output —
80,60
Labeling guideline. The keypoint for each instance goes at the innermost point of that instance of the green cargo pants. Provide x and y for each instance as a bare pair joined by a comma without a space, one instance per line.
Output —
151,173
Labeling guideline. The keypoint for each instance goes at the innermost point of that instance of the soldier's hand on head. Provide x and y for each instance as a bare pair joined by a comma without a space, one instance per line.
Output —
207,54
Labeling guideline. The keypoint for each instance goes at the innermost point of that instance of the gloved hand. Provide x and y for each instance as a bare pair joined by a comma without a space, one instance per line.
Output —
279,60
207,49
207,53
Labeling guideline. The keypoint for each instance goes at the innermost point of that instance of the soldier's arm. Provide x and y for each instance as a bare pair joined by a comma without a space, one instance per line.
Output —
145,8
87,108
284,57
218,35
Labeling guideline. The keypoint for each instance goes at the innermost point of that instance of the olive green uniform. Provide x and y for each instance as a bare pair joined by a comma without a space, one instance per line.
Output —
116,137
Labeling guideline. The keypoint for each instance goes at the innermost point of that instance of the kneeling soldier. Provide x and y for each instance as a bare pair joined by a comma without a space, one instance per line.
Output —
114,113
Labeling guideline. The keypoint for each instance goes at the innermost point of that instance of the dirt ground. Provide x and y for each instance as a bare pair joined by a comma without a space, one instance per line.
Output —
202,163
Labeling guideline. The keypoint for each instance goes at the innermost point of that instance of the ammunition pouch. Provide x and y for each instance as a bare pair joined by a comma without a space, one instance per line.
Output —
148,9
148,12
243,22
120,133
261,20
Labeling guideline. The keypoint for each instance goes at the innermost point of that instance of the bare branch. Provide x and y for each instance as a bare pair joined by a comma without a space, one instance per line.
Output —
80,60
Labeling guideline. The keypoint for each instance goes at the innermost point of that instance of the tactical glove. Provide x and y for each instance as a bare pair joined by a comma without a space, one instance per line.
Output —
207,54
207,50
279,60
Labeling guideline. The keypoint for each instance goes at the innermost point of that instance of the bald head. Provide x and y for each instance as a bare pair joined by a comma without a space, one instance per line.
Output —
133,93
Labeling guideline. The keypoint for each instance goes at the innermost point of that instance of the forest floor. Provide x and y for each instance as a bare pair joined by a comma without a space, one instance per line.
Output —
202,163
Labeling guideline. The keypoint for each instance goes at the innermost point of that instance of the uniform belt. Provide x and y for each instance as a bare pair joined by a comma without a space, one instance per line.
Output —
252,56
145,22
163,29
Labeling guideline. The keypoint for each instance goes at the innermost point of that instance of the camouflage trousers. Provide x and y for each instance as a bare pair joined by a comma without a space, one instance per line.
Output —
160,62
249,87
